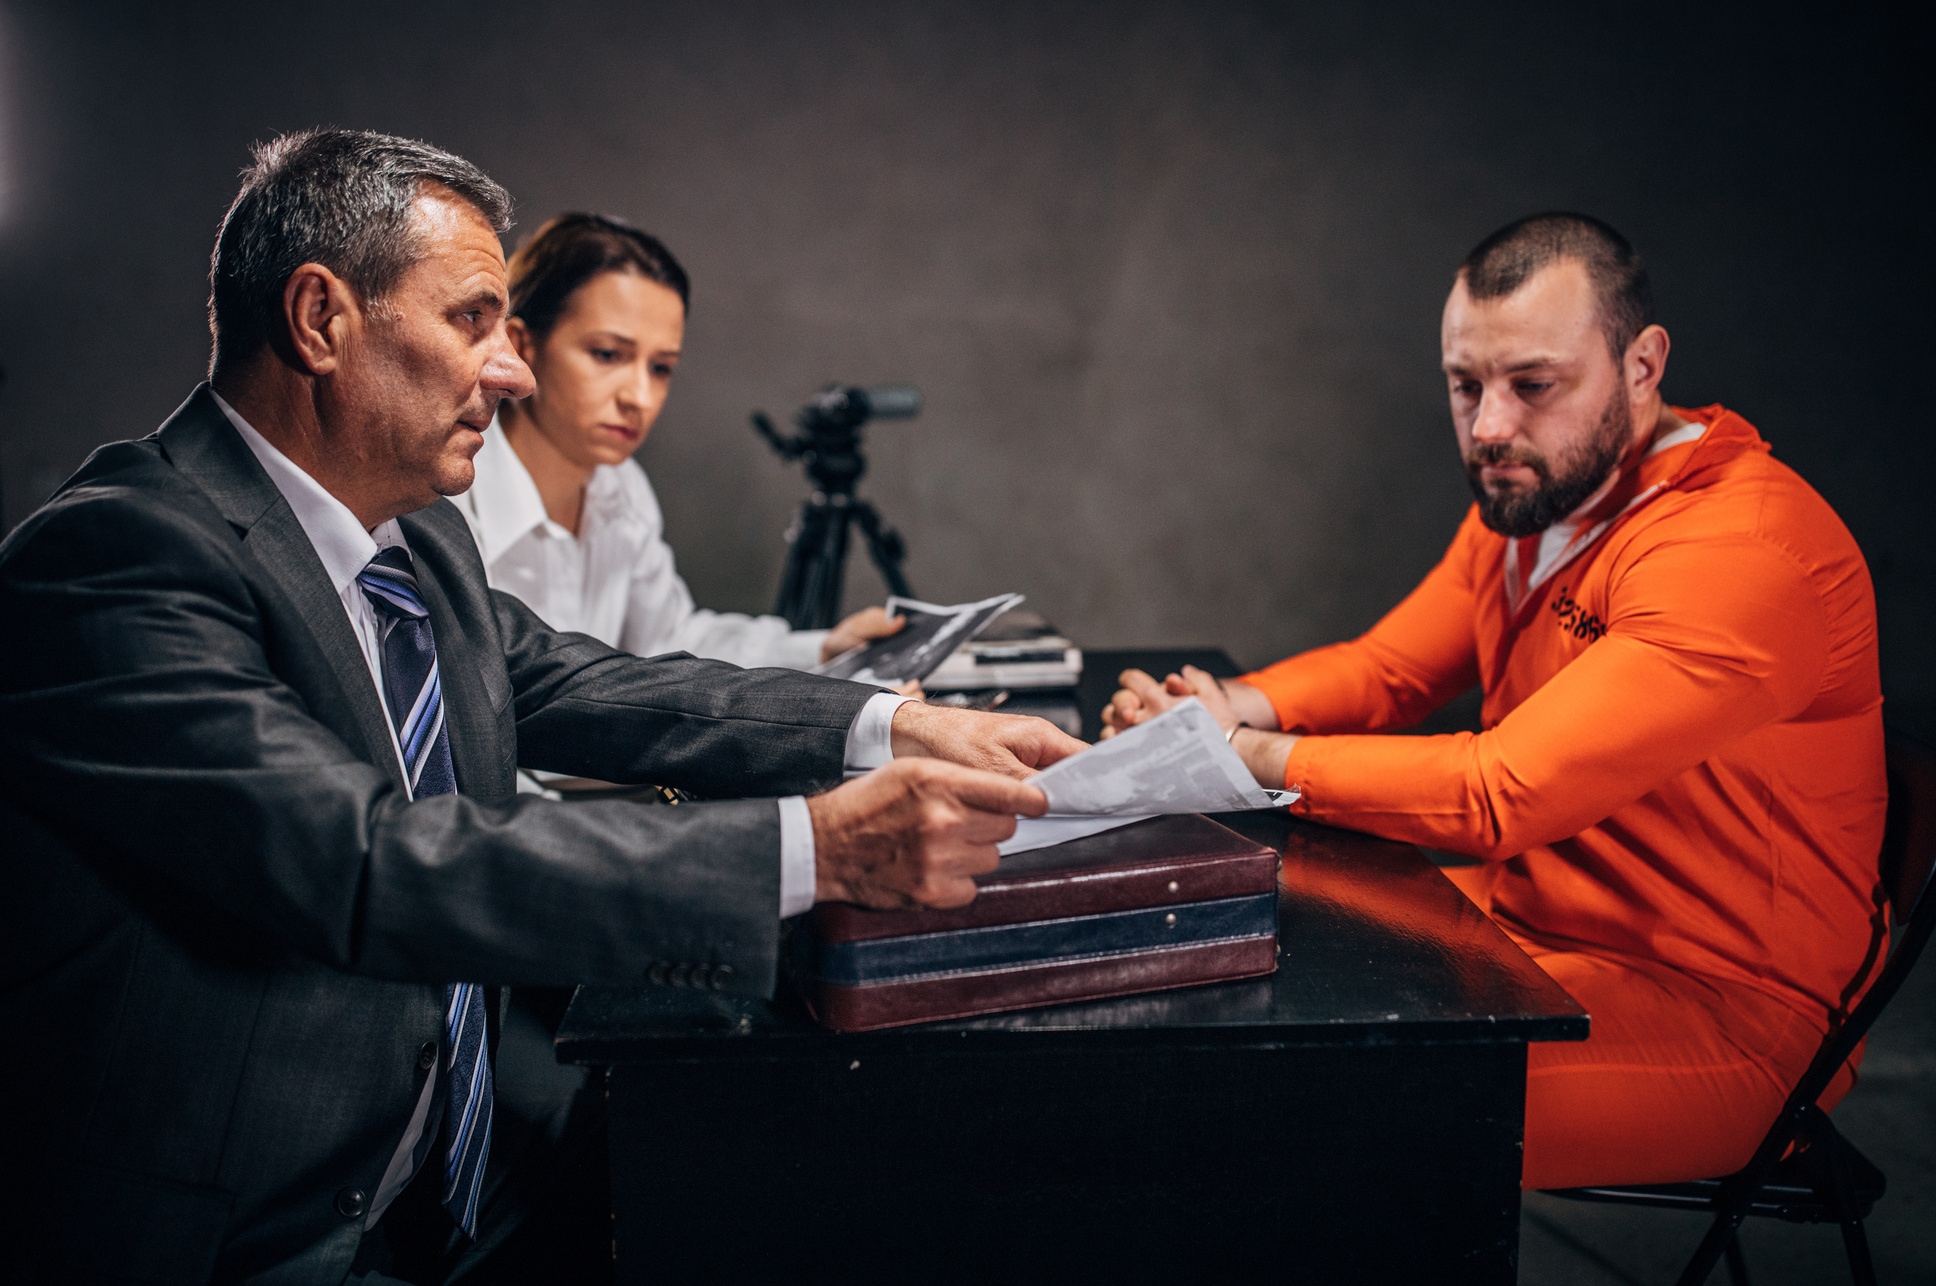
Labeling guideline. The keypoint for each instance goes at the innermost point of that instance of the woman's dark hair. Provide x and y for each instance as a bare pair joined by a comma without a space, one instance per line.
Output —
569,251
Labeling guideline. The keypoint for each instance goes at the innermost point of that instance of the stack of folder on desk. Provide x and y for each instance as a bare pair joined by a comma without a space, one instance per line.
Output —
1168,902
1019,649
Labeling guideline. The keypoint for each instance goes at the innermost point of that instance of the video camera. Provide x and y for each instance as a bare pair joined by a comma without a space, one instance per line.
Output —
829,442
829,437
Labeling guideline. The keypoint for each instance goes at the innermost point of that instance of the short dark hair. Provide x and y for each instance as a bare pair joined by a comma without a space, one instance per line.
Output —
340,198
1510,257
569,251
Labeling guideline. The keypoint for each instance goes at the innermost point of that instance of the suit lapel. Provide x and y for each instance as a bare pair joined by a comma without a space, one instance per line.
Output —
206,448
282,548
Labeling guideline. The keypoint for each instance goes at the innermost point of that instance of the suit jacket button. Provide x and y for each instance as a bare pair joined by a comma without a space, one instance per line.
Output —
722,975
680,972
657,973
427,1056
351,1202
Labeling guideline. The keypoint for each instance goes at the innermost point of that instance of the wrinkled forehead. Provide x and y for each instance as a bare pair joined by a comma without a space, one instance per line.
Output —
1554,315
452,238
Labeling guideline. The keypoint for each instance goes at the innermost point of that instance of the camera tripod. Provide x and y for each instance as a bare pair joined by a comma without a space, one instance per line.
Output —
829,442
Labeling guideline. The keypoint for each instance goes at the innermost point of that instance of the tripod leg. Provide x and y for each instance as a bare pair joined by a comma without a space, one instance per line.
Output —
884,546
810,586
829,571
802,548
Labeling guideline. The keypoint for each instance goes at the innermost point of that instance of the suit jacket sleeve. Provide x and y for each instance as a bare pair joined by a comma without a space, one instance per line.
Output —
161,713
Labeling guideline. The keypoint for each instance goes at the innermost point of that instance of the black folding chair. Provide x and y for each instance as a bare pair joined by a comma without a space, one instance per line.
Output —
1825,1180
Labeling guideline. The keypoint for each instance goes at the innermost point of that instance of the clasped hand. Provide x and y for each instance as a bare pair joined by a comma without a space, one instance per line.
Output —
1234,705
1142,697
917,831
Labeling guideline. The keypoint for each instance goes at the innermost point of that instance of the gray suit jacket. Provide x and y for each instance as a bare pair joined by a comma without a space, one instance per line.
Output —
226,930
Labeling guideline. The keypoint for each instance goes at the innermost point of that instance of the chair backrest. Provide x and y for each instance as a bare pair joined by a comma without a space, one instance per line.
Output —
1908,856
1909,841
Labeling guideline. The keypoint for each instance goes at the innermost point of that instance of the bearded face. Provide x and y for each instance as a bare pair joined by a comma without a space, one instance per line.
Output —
1563,483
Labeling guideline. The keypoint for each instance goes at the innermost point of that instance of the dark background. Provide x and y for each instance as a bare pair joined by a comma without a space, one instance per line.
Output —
1169,274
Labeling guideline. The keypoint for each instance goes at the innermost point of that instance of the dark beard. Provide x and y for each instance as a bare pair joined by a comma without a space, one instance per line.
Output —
1559,491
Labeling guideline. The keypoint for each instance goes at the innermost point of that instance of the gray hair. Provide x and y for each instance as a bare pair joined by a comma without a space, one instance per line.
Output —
340,198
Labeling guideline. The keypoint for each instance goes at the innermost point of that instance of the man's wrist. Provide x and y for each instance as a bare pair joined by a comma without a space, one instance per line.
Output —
1267,754
906,737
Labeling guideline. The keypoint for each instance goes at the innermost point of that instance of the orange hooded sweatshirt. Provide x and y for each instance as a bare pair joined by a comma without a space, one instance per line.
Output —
1682,751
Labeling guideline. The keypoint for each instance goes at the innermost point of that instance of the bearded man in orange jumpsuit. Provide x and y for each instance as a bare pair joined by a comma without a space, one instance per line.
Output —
1678,794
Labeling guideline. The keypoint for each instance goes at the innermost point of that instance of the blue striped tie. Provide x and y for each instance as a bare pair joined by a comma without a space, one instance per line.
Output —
416,699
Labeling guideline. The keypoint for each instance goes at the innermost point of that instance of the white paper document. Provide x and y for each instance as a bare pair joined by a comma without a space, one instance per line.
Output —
1178,762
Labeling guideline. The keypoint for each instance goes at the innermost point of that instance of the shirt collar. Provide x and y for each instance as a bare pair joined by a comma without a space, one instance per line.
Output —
504,499
340,541
1636,475
606,495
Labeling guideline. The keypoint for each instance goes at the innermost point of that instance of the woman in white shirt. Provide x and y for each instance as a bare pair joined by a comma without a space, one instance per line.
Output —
562,513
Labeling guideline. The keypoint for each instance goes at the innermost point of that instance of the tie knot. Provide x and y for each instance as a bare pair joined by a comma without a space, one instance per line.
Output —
390,583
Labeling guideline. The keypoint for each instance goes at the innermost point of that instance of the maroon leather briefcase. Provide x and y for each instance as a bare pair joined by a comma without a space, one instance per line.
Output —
1168,902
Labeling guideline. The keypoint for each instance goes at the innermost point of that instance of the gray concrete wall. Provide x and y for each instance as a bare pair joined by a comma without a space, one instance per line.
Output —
1168,274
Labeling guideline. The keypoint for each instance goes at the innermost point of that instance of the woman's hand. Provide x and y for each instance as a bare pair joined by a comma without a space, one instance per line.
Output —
864,626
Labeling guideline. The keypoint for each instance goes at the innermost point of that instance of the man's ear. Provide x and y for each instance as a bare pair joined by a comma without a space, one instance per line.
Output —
318,309
1646,362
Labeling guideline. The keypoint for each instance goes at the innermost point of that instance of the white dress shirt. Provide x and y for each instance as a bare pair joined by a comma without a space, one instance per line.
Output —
616,579
345,549
340,542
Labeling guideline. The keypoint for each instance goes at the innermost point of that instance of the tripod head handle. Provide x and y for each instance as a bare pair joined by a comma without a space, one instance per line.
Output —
789,448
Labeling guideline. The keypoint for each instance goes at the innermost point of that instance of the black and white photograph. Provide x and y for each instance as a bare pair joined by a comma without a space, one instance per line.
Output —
928,636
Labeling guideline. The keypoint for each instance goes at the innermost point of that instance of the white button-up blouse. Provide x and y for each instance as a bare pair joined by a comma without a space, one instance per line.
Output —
615,580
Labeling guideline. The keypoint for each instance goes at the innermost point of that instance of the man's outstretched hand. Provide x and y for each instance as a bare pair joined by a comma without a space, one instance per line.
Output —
1010,744
914,832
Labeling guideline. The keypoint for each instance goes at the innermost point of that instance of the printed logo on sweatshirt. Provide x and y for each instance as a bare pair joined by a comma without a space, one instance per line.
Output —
1576,620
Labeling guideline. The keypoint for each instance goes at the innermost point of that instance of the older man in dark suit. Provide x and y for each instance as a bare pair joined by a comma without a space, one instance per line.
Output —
259,720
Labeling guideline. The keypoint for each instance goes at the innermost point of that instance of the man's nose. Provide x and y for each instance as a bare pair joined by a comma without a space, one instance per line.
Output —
506,373
1494,421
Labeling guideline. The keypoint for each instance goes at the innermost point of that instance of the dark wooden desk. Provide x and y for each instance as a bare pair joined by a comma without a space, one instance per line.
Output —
1355,1117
